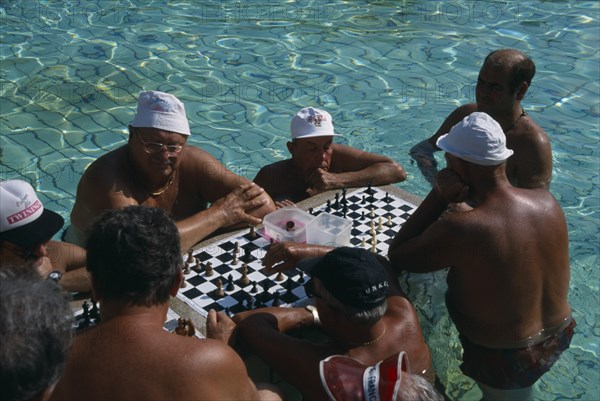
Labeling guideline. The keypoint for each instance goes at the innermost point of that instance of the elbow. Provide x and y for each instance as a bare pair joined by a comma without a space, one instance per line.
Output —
399,173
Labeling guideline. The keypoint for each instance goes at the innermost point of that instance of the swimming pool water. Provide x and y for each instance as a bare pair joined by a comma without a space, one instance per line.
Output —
388,71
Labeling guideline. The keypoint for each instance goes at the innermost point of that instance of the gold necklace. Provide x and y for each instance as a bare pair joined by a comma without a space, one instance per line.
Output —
163,189
372,341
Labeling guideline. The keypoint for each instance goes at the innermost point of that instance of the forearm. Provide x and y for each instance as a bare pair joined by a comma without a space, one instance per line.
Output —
199,226
423,154
382,173
427,213
76,280
279,319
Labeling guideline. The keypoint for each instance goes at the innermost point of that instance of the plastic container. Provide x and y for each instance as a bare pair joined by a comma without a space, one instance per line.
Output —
328,229
287,224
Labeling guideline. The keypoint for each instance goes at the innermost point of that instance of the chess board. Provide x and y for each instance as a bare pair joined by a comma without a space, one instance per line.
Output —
87,319
374,213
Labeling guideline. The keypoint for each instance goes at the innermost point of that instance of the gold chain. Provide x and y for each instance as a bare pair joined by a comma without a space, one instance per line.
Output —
163,189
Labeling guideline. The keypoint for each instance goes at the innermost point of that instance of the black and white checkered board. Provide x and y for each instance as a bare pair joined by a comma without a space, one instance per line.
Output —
384,212
362,208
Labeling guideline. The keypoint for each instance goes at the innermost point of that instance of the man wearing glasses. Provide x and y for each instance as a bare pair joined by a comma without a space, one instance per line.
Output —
156,168
26,229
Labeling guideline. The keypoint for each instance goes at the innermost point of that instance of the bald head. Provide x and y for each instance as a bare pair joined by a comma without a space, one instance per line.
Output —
518,65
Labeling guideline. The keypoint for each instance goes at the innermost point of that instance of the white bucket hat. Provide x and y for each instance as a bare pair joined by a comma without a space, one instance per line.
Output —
310,122
161,110
478,139
23,219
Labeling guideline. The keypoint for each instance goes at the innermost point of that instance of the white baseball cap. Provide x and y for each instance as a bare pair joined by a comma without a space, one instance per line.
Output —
23,219
310,122
478,139
161,110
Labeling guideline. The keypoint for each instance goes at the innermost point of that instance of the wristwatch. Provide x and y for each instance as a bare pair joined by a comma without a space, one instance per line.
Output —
55,276
313,309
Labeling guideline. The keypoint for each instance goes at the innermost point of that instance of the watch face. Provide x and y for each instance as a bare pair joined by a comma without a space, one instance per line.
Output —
55,276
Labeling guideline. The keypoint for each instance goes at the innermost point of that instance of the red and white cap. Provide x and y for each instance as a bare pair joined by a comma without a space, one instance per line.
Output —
23,219
310,122
347,379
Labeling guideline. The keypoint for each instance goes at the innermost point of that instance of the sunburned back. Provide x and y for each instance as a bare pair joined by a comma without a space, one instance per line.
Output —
135,363
514,279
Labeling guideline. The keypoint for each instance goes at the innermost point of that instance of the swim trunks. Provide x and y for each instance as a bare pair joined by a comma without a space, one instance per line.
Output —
515,367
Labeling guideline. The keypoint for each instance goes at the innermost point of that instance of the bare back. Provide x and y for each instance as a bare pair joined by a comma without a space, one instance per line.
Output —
510,275
131,362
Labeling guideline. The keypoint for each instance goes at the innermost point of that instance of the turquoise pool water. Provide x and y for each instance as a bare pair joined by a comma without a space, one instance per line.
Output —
389,72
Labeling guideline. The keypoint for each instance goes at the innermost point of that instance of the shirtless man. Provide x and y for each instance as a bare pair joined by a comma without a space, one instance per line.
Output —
319,165
359,305
157,169
508,256
134,258
503,80
26,228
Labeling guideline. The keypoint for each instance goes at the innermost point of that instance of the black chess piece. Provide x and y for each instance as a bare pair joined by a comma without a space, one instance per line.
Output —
276,299
95,312
230,285
311,211
253,290
328,208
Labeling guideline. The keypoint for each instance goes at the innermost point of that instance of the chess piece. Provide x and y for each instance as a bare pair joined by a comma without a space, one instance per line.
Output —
183,283
279,277
252,232
95,312
276,299
219,293
372,212
389,222
230,285
181,329
254,290
190,258
290,225
186,267
311,211
363,243
380,224
244,280
235,258
236,248
209,270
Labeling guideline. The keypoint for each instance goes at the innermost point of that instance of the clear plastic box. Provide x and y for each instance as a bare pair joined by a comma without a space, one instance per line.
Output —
328,229
287,224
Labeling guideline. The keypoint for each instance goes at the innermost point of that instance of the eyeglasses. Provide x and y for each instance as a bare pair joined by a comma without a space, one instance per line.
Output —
156,147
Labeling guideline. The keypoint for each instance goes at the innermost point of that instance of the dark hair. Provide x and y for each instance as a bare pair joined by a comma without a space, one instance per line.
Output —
522,68
36,330
134,254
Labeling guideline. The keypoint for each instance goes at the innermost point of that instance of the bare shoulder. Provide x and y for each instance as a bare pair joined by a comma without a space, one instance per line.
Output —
273,173
452,119
106,167
194,157
530,132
